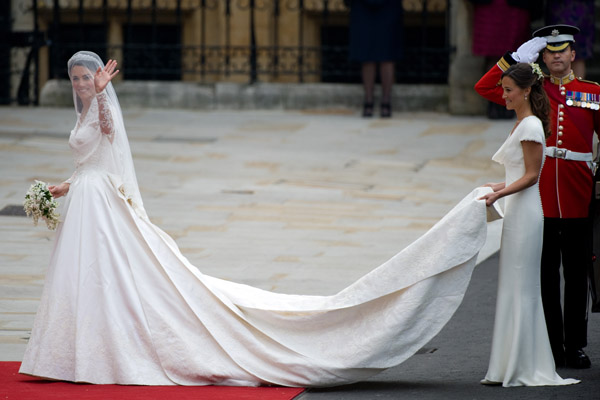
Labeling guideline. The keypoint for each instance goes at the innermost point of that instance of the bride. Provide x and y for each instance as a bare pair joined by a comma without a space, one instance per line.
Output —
122,305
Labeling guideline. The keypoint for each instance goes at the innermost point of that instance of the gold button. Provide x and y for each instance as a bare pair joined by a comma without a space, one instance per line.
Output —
560,133
561,119
559,142
561,113
561,106
560,127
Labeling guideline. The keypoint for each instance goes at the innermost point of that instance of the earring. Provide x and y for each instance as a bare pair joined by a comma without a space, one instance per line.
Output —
525,97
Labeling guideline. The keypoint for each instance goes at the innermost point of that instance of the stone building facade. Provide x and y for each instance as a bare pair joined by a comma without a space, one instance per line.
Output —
198,50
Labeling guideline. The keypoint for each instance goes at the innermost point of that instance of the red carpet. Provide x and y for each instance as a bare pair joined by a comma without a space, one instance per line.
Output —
14,386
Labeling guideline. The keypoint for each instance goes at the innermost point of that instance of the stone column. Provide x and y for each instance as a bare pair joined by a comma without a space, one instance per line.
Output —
115,43
465,68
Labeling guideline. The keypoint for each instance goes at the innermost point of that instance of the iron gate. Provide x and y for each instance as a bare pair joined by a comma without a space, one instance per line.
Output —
152,40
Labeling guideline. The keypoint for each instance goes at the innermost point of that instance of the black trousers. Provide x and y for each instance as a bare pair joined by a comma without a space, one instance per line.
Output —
566,240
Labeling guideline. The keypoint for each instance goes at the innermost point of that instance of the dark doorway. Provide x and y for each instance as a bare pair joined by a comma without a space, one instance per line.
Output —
71,38
152,52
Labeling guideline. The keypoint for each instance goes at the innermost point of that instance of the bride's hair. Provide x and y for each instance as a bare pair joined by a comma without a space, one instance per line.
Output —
525,77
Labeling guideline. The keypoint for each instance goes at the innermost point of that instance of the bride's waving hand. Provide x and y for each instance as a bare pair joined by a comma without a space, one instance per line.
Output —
104,75
101,79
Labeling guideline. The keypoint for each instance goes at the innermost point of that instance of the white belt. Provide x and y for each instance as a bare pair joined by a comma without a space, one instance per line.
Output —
568,154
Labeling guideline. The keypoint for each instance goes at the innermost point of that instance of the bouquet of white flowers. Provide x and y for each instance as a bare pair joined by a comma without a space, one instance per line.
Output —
39,203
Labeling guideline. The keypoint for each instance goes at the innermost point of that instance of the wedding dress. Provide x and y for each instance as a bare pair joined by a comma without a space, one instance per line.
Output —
521,353
122,305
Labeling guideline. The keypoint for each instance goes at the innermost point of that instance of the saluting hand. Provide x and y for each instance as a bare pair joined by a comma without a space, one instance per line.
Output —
529,51
104,76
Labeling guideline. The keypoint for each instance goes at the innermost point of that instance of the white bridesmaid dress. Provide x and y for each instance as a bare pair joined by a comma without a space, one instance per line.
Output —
521,353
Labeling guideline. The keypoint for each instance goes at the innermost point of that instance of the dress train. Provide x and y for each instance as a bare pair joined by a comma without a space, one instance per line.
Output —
122,305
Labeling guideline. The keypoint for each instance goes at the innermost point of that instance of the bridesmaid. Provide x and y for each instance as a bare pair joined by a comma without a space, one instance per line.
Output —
521,353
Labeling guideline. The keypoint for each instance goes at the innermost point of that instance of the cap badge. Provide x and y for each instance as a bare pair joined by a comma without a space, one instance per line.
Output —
555,32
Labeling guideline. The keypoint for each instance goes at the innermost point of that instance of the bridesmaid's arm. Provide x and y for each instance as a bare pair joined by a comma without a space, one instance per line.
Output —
495,186
533,156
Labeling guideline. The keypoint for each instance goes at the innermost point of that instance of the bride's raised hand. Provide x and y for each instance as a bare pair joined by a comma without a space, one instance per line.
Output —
104,76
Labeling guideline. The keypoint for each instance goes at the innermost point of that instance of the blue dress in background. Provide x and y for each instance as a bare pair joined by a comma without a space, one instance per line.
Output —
376,30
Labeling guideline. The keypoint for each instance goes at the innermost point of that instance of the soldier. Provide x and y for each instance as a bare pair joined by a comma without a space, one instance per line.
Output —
566,184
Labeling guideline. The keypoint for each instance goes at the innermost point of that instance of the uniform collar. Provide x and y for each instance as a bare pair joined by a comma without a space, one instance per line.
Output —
564,80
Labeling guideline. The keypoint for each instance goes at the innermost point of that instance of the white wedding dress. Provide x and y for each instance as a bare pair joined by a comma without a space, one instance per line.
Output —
521,353
122,305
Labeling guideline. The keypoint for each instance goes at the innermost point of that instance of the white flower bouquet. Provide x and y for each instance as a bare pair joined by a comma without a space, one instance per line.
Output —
39,203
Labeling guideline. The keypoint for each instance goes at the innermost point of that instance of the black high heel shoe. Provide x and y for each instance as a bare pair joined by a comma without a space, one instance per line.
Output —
385,110
367,110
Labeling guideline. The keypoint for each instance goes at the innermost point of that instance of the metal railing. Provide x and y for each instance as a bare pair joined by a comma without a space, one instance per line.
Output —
212,40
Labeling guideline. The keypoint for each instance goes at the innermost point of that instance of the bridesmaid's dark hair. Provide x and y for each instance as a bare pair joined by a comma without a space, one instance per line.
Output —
525,77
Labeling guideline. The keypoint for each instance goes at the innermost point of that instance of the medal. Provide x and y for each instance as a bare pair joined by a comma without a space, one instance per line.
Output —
584,100
569,98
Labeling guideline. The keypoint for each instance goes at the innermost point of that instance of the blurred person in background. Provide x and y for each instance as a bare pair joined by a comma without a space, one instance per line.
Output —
376,39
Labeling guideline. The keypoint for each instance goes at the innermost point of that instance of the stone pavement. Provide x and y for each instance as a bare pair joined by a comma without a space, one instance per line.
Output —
295,202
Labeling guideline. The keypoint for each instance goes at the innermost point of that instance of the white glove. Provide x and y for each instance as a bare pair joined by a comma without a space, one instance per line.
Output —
529,51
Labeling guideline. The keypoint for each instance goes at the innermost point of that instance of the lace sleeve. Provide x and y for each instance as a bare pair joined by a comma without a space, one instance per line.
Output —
107,126
70,180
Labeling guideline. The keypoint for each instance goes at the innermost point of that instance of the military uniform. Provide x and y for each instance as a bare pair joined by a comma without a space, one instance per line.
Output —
566,183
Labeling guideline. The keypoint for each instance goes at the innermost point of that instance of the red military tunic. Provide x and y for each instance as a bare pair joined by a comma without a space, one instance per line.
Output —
565,185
